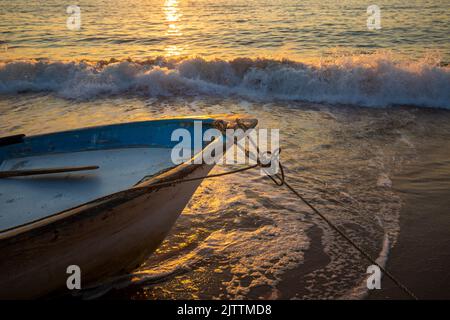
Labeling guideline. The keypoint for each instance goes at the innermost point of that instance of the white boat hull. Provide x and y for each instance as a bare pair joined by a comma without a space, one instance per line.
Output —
34,263
109,235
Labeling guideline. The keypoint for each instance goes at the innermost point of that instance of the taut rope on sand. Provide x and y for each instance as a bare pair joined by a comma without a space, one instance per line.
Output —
280,180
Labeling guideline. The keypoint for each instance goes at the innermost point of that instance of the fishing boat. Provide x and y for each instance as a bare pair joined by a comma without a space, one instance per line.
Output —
101,198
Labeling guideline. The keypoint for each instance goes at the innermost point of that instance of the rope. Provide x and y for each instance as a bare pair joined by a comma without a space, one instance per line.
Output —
165,183
280,182
339,231
352,243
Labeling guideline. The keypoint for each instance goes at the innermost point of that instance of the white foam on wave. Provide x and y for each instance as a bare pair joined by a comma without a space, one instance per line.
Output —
361,291
369,80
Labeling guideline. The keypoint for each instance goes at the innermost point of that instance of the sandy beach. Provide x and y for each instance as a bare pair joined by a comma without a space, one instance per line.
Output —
421,255
362,110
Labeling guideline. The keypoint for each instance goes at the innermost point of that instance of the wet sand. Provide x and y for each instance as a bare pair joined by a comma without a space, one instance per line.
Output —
258,241
315,258
421,257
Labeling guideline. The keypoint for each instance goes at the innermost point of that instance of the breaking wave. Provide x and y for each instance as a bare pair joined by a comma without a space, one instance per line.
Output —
368,80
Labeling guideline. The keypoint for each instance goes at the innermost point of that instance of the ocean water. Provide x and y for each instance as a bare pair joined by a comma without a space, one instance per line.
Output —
227,29
354,106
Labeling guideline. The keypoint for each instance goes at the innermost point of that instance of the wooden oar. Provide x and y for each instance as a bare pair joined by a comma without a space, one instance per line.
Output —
31,172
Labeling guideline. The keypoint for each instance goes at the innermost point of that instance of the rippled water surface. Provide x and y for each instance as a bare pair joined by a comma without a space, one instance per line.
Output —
224,29
353,107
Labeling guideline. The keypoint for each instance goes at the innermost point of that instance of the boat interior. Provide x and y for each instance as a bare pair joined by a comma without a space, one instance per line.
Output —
124,153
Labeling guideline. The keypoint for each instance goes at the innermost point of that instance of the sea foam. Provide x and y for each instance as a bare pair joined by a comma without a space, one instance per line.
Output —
366,80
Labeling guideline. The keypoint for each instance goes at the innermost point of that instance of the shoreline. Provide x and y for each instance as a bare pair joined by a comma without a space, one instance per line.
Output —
421,256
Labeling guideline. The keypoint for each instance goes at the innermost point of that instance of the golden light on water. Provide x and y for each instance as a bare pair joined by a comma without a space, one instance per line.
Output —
173,16
173,50
171,10
139,29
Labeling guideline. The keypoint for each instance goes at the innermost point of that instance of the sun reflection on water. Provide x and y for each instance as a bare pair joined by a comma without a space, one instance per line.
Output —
173,17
